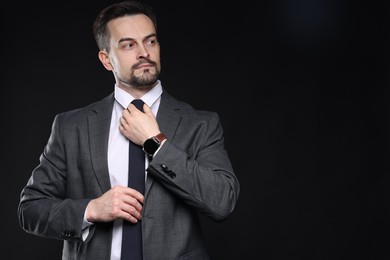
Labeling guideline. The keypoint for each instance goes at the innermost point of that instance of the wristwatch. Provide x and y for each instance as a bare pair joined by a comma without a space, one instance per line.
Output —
152,144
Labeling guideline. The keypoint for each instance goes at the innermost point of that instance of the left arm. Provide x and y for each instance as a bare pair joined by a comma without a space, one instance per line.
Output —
195,166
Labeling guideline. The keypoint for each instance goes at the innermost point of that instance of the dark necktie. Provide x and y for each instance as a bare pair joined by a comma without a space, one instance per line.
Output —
132,233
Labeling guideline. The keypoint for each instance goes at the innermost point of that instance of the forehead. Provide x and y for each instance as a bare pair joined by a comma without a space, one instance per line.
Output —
131,26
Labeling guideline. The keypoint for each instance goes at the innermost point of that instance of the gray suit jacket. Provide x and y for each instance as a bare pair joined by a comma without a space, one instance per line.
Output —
191,174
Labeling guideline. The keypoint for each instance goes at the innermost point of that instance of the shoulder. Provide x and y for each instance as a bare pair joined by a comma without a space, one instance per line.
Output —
177,110
186,109
80,114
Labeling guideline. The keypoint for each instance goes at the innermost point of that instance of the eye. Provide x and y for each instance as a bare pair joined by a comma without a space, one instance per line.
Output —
151,42
129,45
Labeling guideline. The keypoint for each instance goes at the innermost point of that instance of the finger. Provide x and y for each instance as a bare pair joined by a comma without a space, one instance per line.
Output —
121,129
123,122
133,202
147,110
132,212
126,112
135,194
130,208
133,109
130,218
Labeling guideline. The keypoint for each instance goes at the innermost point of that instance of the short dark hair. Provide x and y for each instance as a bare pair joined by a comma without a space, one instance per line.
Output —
114,11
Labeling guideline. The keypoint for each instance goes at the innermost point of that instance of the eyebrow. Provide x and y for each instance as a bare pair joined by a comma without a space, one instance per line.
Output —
132,39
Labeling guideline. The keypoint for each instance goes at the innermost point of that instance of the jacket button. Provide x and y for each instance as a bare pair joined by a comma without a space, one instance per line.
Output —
67,233
171,174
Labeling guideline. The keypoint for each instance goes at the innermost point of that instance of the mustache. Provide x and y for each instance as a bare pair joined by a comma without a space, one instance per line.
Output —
143,62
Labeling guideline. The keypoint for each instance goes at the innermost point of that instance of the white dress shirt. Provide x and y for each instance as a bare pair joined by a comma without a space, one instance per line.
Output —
118,153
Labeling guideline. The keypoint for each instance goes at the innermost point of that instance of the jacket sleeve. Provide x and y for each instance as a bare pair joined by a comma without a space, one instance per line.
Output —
195,166
44,209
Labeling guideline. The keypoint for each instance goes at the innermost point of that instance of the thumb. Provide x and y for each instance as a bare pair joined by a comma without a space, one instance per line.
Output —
147,110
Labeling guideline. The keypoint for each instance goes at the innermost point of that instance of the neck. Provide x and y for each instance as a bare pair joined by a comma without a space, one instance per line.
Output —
136,91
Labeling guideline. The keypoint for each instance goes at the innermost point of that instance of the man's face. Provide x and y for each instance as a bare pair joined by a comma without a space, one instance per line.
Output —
135,51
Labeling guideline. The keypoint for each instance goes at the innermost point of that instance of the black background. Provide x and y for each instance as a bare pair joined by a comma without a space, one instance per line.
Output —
302,90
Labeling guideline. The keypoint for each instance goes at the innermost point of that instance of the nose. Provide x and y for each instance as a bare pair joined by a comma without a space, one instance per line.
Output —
143,52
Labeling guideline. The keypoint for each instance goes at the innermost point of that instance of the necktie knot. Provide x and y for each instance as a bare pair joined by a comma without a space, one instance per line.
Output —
138,103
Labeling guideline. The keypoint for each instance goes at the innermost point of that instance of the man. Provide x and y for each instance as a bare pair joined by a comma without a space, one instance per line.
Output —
79,192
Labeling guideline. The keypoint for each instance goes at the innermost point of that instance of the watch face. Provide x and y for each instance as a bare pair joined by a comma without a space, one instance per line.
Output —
150,146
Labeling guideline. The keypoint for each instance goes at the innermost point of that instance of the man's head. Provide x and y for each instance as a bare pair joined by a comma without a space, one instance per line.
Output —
117,10
126,35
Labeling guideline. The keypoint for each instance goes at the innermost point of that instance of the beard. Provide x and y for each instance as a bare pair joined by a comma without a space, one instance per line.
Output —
144,78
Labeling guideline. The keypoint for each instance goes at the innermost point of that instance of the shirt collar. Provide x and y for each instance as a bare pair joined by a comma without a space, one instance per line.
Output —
124,98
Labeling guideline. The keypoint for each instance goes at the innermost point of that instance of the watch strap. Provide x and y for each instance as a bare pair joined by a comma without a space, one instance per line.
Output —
160,137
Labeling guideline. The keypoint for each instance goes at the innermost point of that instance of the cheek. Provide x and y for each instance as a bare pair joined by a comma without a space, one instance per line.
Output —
155,53
124,63
156,58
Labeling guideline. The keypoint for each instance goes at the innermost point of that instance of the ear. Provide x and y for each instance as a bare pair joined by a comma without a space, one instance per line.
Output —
105,60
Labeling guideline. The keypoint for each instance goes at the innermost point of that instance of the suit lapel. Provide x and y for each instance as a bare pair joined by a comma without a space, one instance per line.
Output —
168,118
99,128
